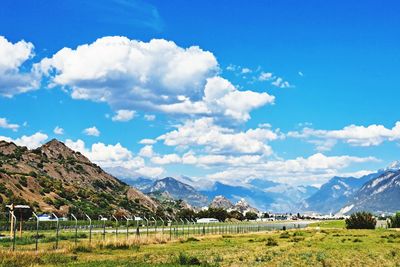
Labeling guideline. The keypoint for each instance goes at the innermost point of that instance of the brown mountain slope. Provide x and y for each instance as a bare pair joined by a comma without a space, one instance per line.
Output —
54,178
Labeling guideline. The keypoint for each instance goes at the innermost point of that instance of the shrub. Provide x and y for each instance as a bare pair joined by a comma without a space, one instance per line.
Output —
271,242
285,235
361,220
33,174
23,181
394,221
184,259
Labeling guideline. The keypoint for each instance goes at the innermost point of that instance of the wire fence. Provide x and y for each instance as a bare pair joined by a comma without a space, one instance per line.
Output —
35,234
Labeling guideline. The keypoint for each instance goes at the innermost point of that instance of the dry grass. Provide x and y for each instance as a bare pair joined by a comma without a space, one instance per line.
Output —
310,247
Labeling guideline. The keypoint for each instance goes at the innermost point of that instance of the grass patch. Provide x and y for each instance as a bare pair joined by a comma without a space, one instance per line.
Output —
330,224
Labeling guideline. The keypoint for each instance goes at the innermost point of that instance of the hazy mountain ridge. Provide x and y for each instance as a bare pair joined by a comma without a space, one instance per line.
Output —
176,189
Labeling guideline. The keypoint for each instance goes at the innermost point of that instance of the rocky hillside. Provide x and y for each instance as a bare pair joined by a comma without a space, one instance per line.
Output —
243,207
178,190
54,178
221,202
380,195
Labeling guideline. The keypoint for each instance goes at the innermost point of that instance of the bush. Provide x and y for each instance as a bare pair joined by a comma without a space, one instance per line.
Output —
184,259
285,235
361,220
395,221
271,242
188,260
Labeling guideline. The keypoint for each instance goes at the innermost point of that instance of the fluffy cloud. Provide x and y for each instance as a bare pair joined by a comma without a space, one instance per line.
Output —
107,155
315,169
216,139
206,161
124,115
115,158
246,70
31,141
6,125
265,76
146,151
157,75
148,117
12,56
279,82
222,97
147,141
58,130
371,135
92,131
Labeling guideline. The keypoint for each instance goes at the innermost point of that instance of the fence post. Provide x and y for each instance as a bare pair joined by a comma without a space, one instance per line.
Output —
90,228
183,227
147,226
116,227
104,227
127,226
14,228
57,228
37,231
155,226
163,224
137,226
76,228
188,223
170,227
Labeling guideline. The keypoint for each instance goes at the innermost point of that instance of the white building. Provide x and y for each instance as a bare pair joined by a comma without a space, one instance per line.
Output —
207,220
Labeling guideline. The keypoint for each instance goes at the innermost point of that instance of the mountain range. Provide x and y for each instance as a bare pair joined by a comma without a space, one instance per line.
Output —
54,178
371,192
380,195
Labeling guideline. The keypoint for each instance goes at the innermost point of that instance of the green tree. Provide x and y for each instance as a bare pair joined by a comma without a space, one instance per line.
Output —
251,216
186,214
394,221
361,220
234,214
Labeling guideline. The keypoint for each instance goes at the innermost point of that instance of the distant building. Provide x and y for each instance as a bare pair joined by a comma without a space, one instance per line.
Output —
207,220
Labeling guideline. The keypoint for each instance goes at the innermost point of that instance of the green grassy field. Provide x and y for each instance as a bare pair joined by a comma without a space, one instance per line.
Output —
306,247
329,224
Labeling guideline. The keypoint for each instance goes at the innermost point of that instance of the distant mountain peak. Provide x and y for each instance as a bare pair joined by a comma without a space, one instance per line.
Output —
221,202
177,190
393,166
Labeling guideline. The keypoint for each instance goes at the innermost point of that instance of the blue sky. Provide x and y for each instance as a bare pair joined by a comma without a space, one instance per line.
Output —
300,91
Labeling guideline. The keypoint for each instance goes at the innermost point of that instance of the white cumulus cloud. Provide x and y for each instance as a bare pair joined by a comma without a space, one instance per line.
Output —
6,125
12,79
156,75
114,158
30,141
92,131
124,115
58,130
216,139
317,168
364,136
149,117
